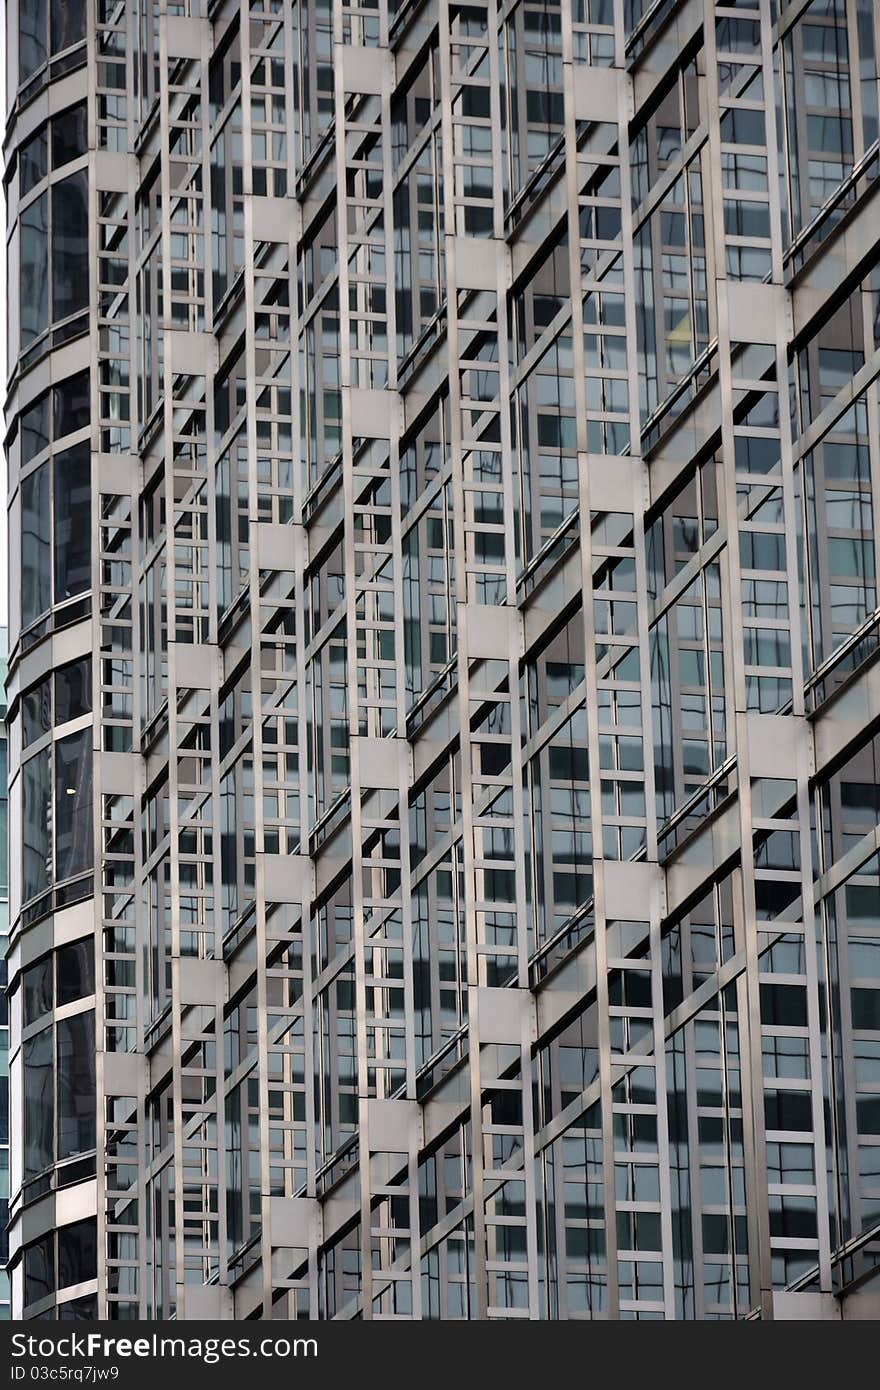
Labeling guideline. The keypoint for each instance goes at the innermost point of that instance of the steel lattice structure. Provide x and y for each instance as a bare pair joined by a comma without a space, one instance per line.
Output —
444,699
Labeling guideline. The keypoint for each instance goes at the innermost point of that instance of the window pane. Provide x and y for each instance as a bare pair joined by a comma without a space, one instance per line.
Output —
70,245
79,1309
69,135
77,1253
76,1084
35,429
68,23
36,714
4,844
39,1270
73,804
35,560
38,990
32,164
34,269
39,1103
73,691
31,37
73,551
36,863
70,405
75,966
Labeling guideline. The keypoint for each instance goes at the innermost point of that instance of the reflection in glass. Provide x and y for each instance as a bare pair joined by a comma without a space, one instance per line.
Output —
36,819
73,691
75,966
39,1103
76,1084
67,23
35,559
73,804
34,269
39,1270
31,37
72,508
70,245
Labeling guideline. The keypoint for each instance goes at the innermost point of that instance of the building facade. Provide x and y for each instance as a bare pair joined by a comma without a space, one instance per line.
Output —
444,462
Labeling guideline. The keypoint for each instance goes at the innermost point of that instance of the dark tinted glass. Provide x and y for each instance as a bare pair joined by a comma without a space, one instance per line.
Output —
4,824
866,1009
69,135
36,845
36,715
37,986
75,967
67,23
788,1110
79,1309
35,552
31,36
72,503
73,804
39,1103
76,1084
73,691
32,164
784,1005
70,405
35,429
70,245
39,1270
34,269
77,1253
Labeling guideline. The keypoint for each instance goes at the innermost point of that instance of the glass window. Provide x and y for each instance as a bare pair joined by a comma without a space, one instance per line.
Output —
4,842
31,37
36,815
73,804
76,1084
67,23
77,1253
35,553
36,713
69,135
64,23
34,269
75,967
79,1309
64,1257
38,994
32,162
866,1009
35,429
73,691
39,1103
70,245
70,405
39,1270
72,507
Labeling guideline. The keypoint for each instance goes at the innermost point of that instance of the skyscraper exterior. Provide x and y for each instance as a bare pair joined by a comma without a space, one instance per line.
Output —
444,468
